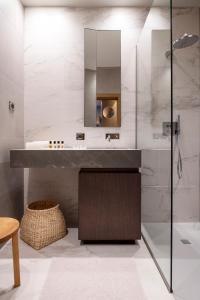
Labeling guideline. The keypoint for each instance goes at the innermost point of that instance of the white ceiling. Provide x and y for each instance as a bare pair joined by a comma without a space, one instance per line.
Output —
101,3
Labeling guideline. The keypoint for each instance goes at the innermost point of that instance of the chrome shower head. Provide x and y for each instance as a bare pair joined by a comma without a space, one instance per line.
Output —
186,40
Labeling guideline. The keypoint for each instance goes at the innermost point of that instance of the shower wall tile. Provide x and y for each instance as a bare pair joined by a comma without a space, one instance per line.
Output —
156,175
187,105
156,167
154,108
153,80
11,87
156,197
186,62
186,205
156,204
153,104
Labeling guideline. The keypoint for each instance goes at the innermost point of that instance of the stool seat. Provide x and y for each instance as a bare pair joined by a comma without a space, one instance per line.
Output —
8,227
9,230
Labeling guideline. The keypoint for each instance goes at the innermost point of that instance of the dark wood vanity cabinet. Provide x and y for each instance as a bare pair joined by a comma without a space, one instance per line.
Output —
109,205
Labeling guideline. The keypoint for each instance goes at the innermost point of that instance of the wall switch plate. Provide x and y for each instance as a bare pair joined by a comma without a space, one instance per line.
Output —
80,136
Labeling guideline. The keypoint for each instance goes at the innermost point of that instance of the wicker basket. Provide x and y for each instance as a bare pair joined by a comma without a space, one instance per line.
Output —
42,224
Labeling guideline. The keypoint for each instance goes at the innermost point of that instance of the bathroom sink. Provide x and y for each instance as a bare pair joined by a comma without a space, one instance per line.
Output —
44,145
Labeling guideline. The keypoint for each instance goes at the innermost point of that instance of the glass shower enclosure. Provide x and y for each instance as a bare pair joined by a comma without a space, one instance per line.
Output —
186,149
154,134
168,133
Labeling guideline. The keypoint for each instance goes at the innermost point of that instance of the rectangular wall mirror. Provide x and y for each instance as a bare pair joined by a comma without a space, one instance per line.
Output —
102,78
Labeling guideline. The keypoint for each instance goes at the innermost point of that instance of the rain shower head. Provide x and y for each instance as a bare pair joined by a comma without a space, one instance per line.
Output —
186,40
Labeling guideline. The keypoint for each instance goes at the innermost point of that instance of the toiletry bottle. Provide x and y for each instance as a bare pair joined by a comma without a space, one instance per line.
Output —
54,144
58,144
50,144
62,144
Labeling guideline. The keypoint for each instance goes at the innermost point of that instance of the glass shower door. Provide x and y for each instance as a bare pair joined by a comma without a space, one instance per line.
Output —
186,149
154,117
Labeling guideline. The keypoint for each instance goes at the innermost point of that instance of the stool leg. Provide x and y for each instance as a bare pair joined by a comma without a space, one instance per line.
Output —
15,250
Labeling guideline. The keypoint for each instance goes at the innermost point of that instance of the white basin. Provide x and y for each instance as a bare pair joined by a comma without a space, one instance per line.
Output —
44,145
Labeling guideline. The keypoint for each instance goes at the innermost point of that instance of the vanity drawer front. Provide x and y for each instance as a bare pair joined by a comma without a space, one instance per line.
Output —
109,205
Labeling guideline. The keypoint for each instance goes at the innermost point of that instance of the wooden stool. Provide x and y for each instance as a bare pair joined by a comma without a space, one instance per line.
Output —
9,230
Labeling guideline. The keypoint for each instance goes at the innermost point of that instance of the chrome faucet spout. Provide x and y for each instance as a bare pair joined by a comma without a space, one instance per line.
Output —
108,138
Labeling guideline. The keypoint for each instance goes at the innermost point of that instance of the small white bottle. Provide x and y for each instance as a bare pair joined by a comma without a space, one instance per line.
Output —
50,145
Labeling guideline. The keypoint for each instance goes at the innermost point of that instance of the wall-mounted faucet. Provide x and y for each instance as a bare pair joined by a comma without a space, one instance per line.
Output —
112,136
108,137
80,136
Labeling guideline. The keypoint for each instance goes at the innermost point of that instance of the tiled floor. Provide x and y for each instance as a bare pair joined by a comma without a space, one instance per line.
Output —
67,270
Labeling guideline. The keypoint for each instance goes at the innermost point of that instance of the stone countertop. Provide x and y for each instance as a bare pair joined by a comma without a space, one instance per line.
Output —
99,158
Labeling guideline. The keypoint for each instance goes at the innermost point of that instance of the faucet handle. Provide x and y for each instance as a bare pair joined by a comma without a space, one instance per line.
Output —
112,136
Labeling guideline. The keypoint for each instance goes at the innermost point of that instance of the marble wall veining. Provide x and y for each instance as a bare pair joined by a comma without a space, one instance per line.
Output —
54,72
54,88
154,107
11,89
153,73
186,87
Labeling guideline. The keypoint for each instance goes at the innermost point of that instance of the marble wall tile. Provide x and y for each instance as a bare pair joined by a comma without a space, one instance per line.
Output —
11,76
154,108
156,204
60,185
156,176
54,72
12,123
14,13
11,191
54,89
186,204
153,71
187,104
11,89
12,48
186,61
156,167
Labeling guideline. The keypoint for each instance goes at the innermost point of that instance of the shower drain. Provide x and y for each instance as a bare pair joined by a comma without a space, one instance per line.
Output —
186,242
